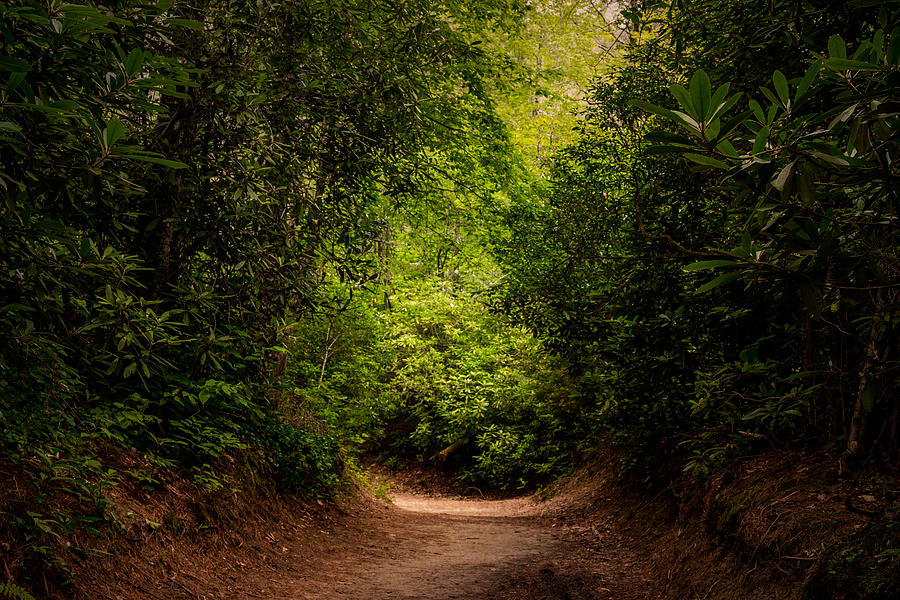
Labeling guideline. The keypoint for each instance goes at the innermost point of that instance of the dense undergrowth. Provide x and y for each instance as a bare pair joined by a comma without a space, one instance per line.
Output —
292,234
439,378
176,180
778,177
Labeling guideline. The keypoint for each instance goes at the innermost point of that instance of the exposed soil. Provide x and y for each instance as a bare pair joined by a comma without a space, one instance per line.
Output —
758,530
419,547
462,549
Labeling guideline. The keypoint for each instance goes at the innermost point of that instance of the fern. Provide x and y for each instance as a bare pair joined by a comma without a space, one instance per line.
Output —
11,591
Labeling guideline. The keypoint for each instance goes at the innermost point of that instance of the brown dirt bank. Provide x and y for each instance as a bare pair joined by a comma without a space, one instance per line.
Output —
760,530
421,548
776,527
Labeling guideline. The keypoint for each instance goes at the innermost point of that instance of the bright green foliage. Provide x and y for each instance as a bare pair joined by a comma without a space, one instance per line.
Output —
559,48
458,372
435,369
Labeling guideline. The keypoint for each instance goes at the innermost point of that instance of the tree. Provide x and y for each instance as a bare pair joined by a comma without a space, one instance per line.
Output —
176,179
793,201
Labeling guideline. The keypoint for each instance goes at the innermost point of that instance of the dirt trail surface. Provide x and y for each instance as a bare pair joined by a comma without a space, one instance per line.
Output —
451,549
756,534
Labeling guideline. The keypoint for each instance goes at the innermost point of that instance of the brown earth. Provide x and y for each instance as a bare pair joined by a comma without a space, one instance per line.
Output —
419,548
462,549
757,531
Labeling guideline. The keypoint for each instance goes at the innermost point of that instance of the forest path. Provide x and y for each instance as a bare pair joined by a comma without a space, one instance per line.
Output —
427,548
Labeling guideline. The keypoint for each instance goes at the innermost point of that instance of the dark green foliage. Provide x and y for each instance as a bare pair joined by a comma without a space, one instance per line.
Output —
717,253
301,457
176,179
867,565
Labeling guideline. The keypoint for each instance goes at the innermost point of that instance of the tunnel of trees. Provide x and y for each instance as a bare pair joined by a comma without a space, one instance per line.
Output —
495,235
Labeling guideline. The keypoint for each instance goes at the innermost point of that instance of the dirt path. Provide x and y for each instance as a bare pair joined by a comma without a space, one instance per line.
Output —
443,549
590,540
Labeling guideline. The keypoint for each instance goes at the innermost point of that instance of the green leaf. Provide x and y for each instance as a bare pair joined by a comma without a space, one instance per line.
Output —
878,46
893,51
783,176
700,94
781,87
836,47
684,99
659,135
658,149
733,122
174,164
689,123
806,186
770,96
708,161
15,79
718,99
133,62
710,264
831,158
187,23
724,106
758,111
654,109
112,133
846,64
845,115
727,148
759,144
718,281
15,65
803,86
66,105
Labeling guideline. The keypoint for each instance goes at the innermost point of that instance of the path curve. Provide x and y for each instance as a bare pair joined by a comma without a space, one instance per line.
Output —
446,549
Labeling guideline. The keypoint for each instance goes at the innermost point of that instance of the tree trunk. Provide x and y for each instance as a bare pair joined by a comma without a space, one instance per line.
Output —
867,398
444,454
